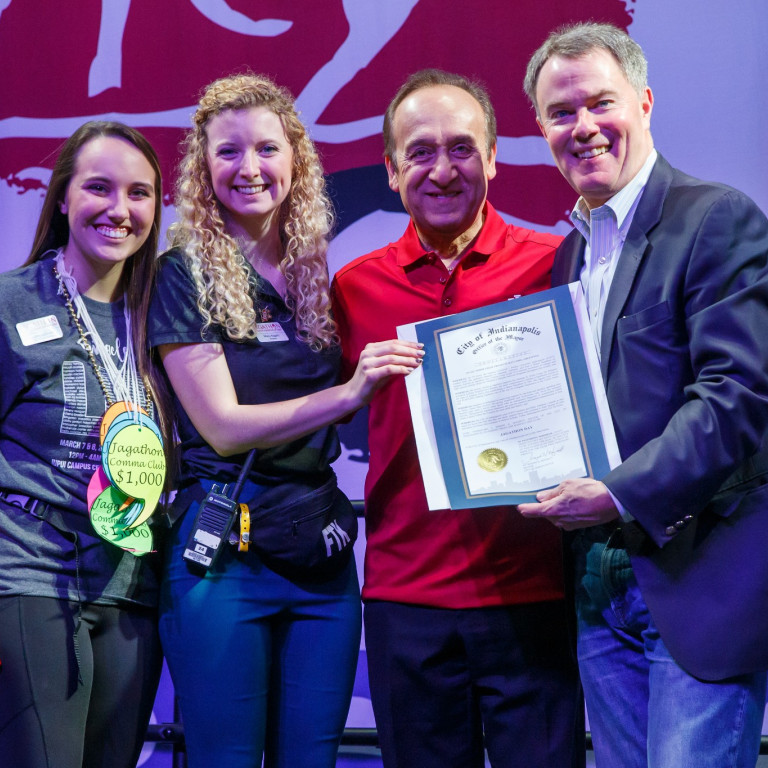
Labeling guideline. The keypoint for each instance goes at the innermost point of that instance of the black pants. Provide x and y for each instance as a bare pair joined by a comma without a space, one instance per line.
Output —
67,704
445,683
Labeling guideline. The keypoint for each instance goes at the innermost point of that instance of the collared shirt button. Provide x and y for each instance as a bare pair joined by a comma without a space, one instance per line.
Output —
443,279
670,530
688,518
680,524
447,302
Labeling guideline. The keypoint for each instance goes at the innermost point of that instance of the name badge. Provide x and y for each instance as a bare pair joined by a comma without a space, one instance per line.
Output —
266,332
39,330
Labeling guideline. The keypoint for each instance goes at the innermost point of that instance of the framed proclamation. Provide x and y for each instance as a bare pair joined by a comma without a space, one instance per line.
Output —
515,400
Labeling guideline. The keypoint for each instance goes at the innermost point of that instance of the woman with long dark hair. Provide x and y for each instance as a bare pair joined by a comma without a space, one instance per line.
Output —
82,434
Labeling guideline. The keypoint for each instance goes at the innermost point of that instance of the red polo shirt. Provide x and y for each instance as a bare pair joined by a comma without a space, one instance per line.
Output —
451,558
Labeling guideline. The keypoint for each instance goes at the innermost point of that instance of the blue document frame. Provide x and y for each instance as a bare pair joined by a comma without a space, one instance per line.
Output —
511,400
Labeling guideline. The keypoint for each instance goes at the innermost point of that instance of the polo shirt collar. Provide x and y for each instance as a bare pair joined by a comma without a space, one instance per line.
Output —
491,238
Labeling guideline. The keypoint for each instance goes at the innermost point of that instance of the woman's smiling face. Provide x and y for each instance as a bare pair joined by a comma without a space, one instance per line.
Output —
110,206
251,162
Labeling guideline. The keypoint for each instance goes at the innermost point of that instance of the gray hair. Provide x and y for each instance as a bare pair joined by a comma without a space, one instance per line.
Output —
576,40
426,78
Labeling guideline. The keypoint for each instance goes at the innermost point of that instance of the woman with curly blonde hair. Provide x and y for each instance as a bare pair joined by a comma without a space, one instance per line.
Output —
241,319
305,220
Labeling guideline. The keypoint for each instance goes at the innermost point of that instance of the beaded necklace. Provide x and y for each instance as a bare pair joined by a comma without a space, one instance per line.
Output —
125,381
125,490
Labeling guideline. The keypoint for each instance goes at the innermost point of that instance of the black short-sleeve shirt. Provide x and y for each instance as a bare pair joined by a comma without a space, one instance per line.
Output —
262,372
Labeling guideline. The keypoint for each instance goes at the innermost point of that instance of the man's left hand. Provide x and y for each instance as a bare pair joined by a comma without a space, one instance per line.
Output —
576,503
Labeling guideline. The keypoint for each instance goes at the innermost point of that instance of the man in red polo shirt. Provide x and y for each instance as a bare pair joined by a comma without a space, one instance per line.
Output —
466,623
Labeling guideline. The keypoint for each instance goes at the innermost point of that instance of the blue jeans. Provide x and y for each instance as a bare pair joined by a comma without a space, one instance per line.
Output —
644,710
261,664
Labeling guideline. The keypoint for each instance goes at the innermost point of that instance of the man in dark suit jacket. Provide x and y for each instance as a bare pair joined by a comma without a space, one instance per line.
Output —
671,547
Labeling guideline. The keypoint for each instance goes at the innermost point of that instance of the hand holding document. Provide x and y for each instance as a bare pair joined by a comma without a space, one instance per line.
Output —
509,401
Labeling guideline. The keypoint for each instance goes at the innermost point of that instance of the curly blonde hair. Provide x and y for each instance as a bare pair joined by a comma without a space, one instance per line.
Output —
305,221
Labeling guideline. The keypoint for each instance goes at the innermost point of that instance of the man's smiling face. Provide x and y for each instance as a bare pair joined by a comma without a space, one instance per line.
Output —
596,124
443,163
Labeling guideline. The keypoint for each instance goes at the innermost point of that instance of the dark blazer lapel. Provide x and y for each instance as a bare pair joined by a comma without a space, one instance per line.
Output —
569,259
646,217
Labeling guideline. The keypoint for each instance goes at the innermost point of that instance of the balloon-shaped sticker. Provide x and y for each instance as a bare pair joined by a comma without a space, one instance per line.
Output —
107,508
114,410
123,420
134,461
130,417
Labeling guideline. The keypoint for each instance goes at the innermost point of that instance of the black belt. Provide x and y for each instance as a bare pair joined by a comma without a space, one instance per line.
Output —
27,503
67,523
62,519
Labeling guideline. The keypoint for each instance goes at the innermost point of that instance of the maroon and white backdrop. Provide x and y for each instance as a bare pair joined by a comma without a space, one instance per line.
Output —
144,62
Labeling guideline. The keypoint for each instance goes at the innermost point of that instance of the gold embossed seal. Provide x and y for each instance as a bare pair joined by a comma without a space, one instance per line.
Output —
492,460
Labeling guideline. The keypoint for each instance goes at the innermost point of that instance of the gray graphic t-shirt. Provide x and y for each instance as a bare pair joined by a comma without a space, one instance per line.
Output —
51,404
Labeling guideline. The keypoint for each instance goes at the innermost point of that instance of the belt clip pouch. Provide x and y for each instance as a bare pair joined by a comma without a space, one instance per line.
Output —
307,537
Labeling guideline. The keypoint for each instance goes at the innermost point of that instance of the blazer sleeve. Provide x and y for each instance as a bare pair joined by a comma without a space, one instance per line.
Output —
714,281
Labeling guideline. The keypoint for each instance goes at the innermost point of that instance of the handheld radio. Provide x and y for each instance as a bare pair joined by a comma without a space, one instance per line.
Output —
214,520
